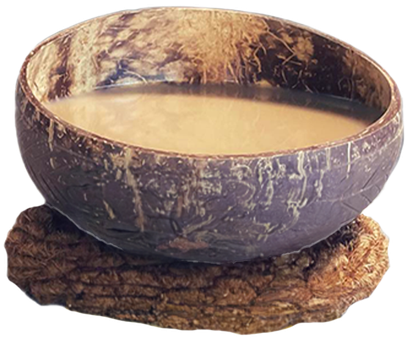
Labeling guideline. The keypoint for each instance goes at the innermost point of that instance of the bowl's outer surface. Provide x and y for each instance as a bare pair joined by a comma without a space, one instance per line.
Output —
219,208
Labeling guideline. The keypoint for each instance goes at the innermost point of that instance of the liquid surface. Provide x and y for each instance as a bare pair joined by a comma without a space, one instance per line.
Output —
218,120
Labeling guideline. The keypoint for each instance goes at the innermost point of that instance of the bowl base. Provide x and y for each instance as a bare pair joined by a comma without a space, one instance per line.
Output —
55,263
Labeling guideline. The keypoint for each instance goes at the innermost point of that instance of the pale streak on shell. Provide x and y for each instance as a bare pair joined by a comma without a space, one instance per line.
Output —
319,183
195,227
109,210
297,199
133,183
349,159
51,135
328,158
118,174
265,165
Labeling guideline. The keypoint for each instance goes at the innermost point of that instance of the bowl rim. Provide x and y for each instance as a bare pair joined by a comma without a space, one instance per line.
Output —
394,108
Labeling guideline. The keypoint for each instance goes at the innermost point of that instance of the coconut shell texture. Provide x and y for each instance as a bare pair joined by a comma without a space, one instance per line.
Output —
200,47
55,263
195,207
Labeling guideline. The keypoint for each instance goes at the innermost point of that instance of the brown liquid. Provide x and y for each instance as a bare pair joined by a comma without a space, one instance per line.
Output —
214,120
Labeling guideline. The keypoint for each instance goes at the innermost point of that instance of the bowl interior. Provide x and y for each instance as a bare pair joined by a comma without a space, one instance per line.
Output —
199,47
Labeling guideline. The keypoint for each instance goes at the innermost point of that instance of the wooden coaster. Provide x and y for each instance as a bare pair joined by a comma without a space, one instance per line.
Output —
55,263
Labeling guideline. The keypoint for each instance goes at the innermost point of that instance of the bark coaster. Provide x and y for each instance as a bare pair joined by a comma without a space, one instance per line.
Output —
55,263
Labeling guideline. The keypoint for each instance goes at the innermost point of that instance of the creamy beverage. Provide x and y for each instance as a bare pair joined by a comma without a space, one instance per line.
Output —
214,120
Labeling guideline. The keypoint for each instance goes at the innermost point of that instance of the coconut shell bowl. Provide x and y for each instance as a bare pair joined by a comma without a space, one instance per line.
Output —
250,242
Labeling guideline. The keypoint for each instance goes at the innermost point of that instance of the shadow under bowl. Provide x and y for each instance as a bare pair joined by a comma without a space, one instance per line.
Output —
207,208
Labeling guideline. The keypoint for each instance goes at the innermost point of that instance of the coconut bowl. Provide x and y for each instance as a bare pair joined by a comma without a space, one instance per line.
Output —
206,208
